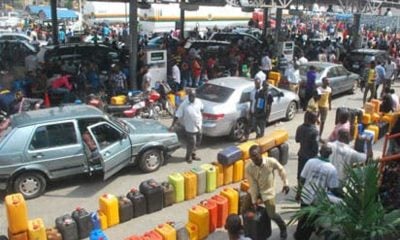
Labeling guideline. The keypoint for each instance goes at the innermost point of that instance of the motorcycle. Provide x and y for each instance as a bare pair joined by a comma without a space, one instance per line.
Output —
147,107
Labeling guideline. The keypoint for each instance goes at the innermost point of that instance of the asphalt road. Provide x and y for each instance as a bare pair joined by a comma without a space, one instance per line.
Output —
64,196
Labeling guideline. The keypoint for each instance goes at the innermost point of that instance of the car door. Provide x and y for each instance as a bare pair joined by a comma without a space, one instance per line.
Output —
347,82
334,80
279,105
113,145
243,107
56,148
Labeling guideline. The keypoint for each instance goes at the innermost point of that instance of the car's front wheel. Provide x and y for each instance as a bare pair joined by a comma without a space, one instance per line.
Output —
239,129
291,111
30,184
151,160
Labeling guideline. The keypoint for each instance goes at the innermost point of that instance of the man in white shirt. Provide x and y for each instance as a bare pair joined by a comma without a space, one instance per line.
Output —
343,155
190,115
266,63
292,74
176,76
317,173
390,68
302,60
395,100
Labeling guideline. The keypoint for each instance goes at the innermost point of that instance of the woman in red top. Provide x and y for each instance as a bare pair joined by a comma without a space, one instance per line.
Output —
196,70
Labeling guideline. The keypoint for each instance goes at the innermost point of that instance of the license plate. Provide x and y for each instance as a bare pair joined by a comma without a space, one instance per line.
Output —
356,66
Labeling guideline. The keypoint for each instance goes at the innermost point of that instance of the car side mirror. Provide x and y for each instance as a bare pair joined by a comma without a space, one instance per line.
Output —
281,94
123,135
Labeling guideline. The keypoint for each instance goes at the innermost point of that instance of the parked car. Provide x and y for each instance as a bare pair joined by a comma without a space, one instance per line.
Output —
340,79
210,47
227,102
235,36
358,59
20,37
158,41
48,144
77,52
19,50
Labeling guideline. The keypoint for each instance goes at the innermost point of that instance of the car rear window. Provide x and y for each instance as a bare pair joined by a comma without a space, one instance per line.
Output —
362,57
214,93
304,69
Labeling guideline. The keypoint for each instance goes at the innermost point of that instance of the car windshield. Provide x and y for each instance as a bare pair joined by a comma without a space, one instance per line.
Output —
118,122
214,93
304,69
362,57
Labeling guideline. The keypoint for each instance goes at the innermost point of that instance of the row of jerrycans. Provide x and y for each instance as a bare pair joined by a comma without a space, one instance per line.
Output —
212,213
204,219
206,178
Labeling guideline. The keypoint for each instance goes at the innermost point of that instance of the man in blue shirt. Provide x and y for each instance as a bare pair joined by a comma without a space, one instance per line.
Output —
380,77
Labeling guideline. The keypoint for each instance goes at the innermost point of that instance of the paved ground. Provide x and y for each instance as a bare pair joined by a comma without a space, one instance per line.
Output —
64,196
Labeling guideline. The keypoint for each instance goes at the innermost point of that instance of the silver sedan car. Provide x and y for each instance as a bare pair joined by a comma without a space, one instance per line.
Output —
341,80
227,102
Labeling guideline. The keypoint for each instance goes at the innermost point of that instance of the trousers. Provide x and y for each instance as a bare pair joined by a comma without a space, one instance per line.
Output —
193,141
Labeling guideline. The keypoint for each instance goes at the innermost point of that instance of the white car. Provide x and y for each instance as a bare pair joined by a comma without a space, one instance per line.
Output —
20,37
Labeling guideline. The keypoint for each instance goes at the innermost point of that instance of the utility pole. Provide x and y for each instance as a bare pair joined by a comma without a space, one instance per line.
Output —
133,7
54,21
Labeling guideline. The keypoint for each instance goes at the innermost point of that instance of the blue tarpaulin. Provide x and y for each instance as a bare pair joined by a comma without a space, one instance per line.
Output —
62,13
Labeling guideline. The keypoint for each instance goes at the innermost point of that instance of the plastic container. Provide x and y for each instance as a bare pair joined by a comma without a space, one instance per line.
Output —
274,153
284,153
181,231
220,173
211,206
152,235
228,174
109,206
53,234
83,221
178,182
96,233
222,209
376,105
238,171
169,194
370,134
201,180
171,98
190,180
266,143
67,227
36,229
18,236
375,117
211,175
375,129
245,147
389,118
193,231
229,155
139,203
200,216
366,118
276,76
118,100
154,195
103,220
17,213
280,136
166,231
369,107
233,199
244,185
125,209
